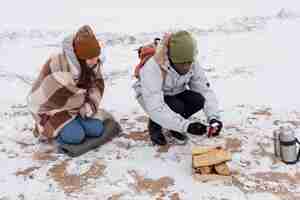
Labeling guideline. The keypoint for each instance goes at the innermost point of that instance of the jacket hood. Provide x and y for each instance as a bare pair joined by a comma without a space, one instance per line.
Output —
68,49
161,55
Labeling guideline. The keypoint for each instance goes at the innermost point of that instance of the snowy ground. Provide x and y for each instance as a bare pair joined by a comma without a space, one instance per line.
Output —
253,66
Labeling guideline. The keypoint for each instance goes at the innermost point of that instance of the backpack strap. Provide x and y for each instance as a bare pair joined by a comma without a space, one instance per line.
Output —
163,74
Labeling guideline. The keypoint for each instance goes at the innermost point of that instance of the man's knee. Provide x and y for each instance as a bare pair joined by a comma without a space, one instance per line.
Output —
196,99
201,100
175,104
194,102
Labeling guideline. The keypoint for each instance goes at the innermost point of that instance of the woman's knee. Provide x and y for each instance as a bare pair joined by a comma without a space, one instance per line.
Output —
93,127
72,133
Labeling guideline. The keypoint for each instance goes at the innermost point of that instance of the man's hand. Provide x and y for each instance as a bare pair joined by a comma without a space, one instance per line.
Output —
197,128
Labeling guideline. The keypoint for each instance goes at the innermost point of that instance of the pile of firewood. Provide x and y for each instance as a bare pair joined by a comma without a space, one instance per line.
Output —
210,161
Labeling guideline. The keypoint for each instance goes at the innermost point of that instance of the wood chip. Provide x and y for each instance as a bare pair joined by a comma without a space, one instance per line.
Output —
205,170
213,157
222,169
200,150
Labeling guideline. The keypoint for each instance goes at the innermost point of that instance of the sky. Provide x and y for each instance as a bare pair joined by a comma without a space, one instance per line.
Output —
102,14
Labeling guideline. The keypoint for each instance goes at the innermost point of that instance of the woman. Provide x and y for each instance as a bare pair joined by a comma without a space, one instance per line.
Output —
65,98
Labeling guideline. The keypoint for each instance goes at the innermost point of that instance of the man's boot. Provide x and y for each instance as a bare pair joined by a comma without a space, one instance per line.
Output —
155,132
180,138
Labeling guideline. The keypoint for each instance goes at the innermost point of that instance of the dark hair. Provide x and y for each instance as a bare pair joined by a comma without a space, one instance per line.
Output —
87,76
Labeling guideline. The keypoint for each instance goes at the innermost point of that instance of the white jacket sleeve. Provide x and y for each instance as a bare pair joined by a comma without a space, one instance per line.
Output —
153,98
199,83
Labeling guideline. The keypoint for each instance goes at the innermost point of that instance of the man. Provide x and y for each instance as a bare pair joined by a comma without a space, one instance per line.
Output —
172,86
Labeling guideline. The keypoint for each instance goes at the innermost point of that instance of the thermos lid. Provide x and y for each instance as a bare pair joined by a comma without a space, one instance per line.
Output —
287,136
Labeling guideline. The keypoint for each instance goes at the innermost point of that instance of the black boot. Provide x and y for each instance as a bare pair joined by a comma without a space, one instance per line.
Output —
181,138
156,135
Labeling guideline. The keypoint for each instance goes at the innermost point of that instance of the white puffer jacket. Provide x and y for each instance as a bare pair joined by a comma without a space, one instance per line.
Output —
152,87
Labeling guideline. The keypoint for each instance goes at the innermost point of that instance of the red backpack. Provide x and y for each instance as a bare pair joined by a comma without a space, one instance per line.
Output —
145,53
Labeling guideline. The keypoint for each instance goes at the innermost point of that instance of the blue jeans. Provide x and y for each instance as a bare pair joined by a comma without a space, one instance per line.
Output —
78,129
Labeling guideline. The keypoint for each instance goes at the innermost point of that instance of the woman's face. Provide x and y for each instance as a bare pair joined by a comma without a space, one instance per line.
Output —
92,61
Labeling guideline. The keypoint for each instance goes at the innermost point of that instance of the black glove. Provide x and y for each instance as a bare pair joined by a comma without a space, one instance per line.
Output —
196,128
215,127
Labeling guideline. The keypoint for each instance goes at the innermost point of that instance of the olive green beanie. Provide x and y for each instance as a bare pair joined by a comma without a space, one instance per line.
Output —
181,47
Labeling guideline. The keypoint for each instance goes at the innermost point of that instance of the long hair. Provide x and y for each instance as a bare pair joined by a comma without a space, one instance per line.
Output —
87,76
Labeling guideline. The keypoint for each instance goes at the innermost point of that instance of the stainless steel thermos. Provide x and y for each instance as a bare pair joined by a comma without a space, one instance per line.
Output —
285,145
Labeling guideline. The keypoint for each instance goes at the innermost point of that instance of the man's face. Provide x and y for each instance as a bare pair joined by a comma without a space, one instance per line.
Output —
182,68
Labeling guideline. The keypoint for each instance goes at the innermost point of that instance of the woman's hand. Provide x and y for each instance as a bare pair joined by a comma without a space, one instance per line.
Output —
86,110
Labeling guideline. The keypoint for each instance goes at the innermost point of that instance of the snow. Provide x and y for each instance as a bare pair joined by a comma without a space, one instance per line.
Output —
252,64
